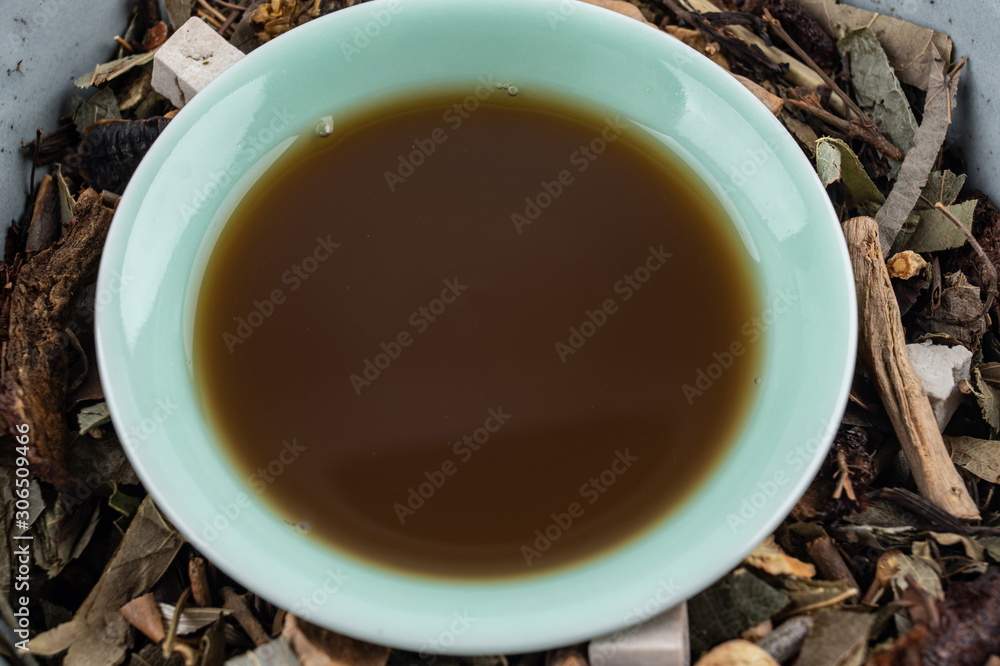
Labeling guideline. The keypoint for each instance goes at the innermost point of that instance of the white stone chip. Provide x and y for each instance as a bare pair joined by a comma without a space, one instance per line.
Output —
940,369
190,60
660,641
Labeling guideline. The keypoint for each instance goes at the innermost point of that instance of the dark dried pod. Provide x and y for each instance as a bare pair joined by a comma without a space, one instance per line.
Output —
112,150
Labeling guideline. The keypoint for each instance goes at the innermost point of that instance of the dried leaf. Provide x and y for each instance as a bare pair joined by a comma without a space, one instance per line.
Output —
973,550
979,456
804,133
93,416
98,635
943,186
992,546
836,638
111,70
924,571
960,312
769,557
144,614
123,503
192,618
919,161
930,231
988,397
61,535
877,88
45,226
178,12
806,593
836,161
102,106
734,604
910,48
67,204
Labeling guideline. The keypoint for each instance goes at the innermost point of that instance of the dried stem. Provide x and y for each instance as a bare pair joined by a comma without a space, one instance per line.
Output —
238,605
990,269
168,643
200,589
852,129
882,348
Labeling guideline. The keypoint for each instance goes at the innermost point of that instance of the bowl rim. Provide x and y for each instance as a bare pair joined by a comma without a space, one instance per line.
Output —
361,612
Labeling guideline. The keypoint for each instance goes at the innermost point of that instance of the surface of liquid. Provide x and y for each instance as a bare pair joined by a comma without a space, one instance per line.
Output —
476,337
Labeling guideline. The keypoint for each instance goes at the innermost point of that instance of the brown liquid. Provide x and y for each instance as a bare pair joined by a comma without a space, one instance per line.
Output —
416,371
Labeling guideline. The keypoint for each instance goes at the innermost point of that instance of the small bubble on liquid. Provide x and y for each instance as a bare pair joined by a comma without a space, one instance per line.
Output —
512,91
325,127
756,380
303,528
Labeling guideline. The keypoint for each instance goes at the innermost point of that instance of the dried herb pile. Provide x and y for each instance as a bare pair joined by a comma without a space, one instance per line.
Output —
891,557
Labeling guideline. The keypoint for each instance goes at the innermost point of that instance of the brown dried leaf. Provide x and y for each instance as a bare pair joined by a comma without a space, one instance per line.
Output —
988,397
179,11
923,571
910,48
960,313
98,635
973,550
837,638
916,169
979,456
769,557
46,220
143,613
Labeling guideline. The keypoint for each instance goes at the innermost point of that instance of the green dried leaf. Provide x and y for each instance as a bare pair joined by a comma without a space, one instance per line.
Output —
123,503
919,161
991,544
178,12
924,571
102,106
908,46
736,603
93,416
836,161
878,89
97,634
943,186
988,397
837,638
979,456
930,231
110,70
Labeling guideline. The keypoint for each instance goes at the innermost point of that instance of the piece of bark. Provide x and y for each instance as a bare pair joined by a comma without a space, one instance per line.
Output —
882,348
35,384
200,590
46,223
238,605
830,563
773,103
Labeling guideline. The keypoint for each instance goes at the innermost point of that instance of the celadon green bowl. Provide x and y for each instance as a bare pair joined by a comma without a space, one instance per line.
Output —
214,150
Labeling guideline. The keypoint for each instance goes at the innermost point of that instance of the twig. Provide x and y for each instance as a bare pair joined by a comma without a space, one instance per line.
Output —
200,590
851,128
882,348
219,15
830,563
938,517
168,643
237,12
991,271
238,605
125,45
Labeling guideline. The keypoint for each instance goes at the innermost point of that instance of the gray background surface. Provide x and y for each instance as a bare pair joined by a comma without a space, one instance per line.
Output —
58,40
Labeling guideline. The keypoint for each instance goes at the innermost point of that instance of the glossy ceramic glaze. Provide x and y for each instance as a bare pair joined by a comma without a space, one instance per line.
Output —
219,144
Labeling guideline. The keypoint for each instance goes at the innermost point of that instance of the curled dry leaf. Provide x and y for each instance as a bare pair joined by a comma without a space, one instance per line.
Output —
769,557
